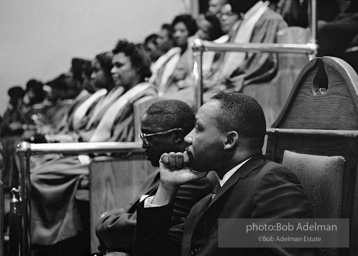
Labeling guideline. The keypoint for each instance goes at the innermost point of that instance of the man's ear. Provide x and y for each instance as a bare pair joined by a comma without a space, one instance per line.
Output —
232,140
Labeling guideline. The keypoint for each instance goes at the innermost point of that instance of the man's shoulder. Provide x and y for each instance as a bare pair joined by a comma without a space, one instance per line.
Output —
274,174
274,167
271,15
269,171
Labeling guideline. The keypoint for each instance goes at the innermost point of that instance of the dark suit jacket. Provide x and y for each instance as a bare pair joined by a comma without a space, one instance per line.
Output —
259,189
116,228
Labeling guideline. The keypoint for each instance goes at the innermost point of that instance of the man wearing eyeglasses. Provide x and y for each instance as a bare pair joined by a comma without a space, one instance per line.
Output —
164,126
228,138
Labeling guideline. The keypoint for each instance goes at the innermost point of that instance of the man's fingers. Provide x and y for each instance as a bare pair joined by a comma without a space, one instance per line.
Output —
186,162
164,159
179,161
172,160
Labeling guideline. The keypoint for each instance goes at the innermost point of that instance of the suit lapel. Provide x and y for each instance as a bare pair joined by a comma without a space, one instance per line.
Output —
194,216
204,214
242,173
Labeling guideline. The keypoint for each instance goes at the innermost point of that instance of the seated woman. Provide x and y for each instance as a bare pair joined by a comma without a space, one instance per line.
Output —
179,85
175,66
209,29
35,105
12,126
56,215
78,115
249,21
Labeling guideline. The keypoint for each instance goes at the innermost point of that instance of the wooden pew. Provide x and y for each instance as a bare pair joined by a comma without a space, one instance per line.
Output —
320,117
273,95
135,160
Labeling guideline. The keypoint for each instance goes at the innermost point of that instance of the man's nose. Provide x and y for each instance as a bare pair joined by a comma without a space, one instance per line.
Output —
188,138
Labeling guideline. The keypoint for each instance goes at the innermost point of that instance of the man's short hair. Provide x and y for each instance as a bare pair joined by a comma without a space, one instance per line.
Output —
171,114
243,114
138,56
188,21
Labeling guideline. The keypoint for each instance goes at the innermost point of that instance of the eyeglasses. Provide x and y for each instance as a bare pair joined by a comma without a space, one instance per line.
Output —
144,136
225,15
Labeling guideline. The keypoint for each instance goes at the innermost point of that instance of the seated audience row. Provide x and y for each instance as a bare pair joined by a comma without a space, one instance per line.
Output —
93,102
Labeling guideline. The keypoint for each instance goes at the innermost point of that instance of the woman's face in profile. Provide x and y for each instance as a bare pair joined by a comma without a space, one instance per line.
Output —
227,18
98,76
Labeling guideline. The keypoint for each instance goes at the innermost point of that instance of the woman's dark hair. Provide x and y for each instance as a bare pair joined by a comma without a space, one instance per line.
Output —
215,30
37,87
188,21
105,60
16,92
168,28
77,68
242,6
138,56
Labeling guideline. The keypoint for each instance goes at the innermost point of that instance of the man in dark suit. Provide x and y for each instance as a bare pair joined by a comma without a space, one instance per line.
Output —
228,137
164,126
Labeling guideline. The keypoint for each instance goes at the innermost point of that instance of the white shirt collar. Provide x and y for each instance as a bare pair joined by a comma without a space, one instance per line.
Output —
231,172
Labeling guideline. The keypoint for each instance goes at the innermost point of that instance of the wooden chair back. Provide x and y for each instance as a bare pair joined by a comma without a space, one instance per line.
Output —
320,117
322,180
114,184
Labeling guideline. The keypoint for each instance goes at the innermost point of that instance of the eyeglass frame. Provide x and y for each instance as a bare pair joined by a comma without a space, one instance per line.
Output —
228,14
144,136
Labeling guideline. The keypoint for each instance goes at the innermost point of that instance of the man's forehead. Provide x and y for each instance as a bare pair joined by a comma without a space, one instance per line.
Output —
150,123
209,110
